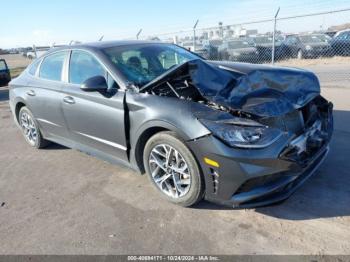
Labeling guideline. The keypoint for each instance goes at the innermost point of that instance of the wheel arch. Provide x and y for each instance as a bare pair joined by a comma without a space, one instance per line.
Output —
18,107
148,130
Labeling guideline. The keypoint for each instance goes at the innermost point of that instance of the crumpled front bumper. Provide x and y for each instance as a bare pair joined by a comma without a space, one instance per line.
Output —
280,189
246,178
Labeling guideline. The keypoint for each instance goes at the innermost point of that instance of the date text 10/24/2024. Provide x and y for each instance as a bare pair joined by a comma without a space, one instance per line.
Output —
173,258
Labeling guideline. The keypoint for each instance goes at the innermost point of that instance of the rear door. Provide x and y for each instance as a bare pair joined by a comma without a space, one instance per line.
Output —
95,120
44,96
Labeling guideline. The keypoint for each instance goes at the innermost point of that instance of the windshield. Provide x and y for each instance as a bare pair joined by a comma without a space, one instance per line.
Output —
310,39
267,39
142,63
215,42
238,44
324,38
263,40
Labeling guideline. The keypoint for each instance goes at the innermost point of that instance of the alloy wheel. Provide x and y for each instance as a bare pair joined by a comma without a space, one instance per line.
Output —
29,129
169,171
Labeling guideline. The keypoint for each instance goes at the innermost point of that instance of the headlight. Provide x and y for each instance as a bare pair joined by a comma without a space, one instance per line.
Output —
308,47
244,134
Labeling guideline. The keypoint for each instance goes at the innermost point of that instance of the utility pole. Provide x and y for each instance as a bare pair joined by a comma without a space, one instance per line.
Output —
194,35
274,36
34,49
138,34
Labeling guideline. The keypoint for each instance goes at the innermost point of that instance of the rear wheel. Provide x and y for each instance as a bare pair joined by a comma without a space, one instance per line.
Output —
30,129
172,169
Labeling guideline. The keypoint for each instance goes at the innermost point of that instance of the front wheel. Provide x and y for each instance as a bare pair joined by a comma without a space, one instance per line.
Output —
30,129
172,169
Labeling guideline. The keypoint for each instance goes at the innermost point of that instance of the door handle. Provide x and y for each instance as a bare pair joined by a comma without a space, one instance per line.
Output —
31,93
69,100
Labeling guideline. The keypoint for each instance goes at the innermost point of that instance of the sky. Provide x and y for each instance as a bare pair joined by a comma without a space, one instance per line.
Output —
44,22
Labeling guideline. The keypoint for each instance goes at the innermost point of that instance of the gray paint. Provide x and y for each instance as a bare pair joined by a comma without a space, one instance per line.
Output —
109,125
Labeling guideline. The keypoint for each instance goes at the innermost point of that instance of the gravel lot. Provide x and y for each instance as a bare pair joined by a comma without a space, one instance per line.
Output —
16,60
60,201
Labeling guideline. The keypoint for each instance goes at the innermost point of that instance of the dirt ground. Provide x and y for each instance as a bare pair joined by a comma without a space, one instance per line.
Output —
60,201
16,60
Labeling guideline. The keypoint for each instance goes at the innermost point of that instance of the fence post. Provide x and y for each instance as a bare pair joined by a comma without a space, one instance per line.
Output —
138,34
194,36
34,49
273,37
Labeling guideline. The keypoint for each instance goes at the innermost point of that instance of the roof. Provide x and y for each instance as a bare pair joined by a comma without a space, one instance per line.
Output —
341,31
107,44
104,44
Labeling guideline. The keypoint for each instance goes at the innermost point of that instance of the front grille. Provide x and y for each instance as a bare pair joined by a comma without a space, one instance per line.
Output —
318,130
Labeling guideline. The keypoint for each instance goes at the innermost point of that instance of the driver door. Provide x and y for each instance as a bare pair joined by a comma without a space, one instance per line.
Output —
95,119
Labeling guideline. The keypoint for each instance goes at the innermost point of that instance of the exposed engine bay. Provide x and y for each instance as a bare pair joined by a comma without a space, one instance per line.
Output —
280,98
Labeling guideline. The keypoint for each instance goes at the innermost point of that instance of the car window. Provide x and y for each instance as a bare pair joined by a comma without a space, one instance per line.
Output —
83,66
310,39
343,35
238,44
142,63
170,58
3,65
34,66
51,67
135,56
291,40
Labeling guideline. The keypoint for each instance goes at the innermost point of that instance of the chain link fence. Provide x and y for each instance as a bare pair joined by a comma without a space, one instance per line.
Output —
319,42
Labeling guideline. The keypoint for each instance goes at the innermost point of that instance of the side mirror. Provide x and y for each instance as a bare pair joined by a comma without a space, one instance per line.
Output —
95,83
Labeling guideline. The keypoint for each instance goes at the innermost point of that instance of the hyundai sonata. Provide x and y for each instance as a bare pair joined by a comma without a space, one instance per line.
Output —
237,134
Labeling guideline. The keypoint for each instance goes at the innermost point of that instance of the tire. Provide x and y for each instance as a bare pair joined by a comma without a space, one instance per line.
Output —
191,188
30,129
300,54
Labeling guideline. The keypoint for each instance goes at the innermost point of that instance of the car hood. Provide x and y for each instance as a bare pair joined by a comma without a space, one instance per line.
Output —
319,44
267,45
242,50
256,89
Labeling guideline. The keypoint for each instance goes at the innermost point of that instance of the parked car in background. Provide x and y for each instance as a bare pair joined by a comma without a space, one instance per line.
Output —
323,37
212,47
197,49
238,50
305,46
341,43
263,44
189,45
5,76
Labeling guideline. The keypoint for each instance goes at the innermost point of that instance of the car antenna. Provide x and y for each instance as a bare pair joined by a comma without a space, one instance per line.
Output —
101,38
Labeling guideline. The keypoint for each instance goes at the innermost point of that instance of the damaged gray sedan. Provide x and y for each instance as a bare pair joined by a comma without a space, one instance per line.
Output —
236,134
